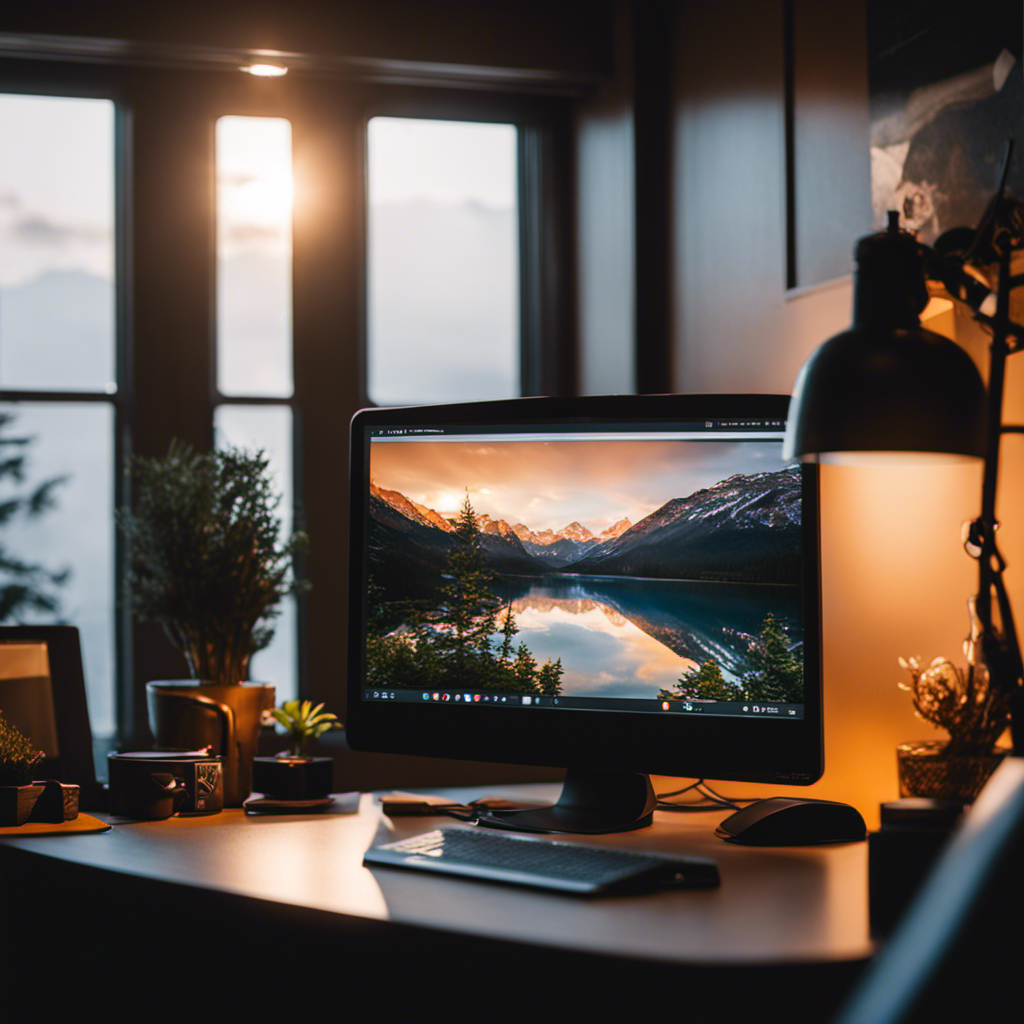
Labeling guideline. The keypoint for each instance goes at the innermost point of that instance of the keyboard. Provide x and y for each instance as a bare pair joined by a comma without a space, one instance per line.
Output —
544,864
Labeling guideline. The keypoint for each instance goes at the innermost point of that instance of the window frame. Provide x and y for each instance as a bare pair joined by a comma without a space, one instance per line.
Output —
290,402
84,87
543,155
171,111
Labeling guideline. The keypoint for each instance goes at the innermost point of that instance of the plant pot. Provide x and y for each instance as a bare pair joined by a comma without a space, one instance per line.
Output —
293,777
186,714
925,769
48,801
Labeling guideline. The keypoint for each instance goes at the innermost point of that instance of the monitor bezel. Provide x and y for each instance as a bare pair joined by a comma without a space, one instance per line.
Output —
714,747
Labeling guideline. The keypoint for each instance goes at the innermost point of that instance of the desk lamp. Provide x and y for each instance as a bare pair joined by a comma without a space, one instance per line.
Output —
888,388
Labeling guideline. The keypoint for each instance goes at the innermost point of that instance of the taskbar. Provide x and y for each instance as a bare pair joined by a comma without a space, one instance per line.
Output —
742,709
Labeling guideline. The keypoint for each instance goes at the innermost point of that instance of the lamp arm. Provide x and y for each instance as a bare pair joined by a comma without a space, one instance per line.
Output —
1012,330
1001,649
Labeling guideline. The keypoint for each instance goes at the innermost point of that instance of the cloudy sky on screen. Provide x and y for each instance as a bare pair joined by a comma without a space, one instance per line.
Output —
547,485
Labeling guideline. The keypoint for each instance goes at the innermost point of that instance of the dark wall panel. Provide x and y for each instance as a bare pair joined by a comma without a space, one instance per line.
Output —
728,212
831,187
567,37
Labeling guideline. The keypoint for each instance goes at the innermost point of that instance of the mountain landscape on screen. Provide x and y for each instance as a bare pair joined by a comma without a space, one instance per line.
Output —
743,529
696,597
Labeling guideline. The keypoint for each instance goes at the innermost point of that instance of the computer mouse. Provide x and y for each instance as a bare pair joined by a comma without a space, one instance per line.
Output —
793,821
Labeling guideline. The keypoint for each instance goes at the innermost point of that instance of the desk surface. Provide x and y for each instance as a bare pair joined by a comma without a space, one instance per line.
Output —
774,906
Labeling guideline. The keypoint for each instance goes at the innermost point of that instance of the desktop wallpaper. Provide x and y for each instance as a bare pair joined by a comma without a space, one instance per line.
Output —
643,569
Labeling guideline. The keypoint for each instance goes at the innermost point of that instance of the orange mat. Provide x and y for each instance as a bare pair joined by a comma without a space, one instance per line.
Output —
83,823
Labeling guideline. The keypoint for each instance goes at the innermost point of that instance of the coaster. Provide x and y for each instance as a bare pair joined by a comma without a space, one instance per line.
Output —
260,804
339,803
83,823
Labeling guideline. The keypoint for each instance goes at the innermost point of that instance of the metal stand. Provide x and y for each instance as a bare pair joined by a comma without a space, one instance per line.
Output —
592,803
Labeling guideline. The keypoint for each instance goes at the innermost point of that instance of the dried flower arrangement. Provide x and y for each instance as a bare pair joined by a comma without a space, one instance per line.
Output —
17,756
962,701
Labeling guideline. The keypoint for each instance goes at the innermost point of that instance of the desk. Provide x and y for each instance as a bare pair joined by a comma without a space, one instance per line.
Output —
292,891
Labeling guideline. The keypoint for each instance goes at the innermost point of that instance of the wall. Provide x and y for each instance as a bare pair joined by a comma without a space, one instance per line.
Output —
895,580
605,234
527,39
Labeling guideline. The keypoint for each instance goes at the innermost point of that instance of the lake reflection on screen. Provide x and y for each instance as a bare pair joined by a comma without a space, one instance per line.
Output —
669,556
622,637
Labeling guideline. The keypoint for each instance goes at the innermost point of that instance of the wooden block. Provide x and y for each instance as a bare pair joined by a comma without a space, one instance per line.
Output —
57,802
17,802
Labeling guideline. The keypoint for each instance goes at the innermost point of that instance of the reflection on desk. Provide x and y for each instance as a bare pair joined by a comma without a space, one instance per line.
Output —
271,890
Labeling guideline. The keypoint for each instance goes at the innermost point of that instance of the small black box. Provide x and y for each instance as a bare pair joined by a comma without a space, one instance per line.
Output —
914,831
293,778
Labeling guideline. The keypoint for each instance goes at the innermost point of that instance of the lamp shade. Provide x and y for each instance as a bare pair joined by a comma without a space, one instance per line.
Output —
868,391
887,384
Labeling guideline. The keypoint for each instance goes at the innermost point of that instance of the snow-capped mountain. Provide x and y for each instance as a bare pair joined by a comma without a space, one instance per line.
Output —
746,528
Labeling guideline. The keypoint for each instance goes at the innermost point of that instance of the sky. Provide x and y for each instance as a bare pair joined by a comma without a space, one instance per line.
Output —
57,298
454,162
56,186
548,485
442,261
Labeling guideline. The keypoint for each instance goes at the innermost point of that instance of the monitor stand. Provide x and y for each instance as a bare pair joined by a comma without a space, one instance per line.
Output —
592,802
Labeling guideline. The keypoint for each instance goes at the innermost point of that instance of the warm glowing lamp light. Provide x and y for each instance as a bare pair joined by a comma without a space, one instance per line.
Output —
265,70
890,389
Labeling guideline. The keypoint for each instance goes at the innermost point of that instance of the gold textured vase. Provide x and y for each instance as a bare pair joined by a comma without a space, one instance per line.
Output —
926,770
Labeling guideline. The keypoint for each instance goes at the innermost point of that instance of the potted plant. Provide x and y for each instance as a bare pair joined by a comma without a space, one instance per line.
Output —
206,560
972,711
294,774
18,759
303,723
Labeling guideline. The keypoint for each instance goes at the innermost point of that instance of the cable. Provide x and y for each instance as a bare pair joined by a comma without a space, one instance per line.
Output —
711,800
476,812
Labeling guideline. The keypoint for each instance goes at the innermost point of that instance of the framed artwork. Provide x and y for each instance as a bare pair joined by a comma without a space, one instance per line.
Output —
946,83
42,692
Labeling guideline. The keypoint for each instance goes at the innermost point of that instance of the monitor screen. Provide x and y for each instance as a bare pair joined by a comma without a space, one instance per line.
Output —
587,582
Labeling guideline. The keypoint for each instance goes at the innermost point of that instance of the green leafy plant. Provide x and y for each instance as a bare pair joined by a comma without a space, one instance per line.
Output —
17,755
303,722
206,558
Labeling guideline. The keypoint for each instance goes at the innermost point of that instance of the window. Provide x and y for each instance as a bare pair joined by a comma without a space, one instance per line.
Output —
58,361
254,256
254,327
442,261
230,317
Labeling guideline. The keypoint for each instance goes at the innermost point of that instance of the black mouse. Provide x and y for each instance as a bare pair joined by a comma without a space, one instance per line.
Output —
792,821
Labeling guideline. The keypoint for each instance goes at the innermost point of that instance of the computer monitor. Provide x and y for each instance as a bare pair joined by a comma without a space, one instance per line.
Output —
618,586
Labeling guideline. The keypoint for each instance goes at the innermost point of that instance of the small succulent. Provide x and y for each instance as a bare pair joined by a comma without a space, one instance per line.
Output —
17,756
303,722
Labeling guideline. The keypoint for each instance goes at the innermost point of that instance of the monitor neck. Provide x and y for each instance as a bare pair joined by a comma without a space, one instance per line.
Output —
592,802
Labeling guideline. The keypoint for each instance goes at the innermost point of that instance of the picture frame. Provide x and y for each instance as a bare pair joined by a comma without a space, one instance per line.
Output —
73,761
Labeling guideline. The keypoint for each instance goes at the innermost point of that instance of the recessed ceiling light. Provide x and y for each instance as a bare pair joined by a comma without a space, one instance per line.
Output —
265,70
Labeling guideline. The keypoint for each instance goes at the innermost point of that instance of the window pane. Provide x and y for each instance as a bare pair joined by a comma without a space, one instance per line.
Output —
269,427
254,256
443,261
75,441
57,243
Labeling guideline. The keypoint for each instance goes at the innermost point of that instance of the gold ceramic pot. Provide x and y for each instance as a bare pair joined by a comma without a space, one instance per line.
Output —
188,714
926,770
